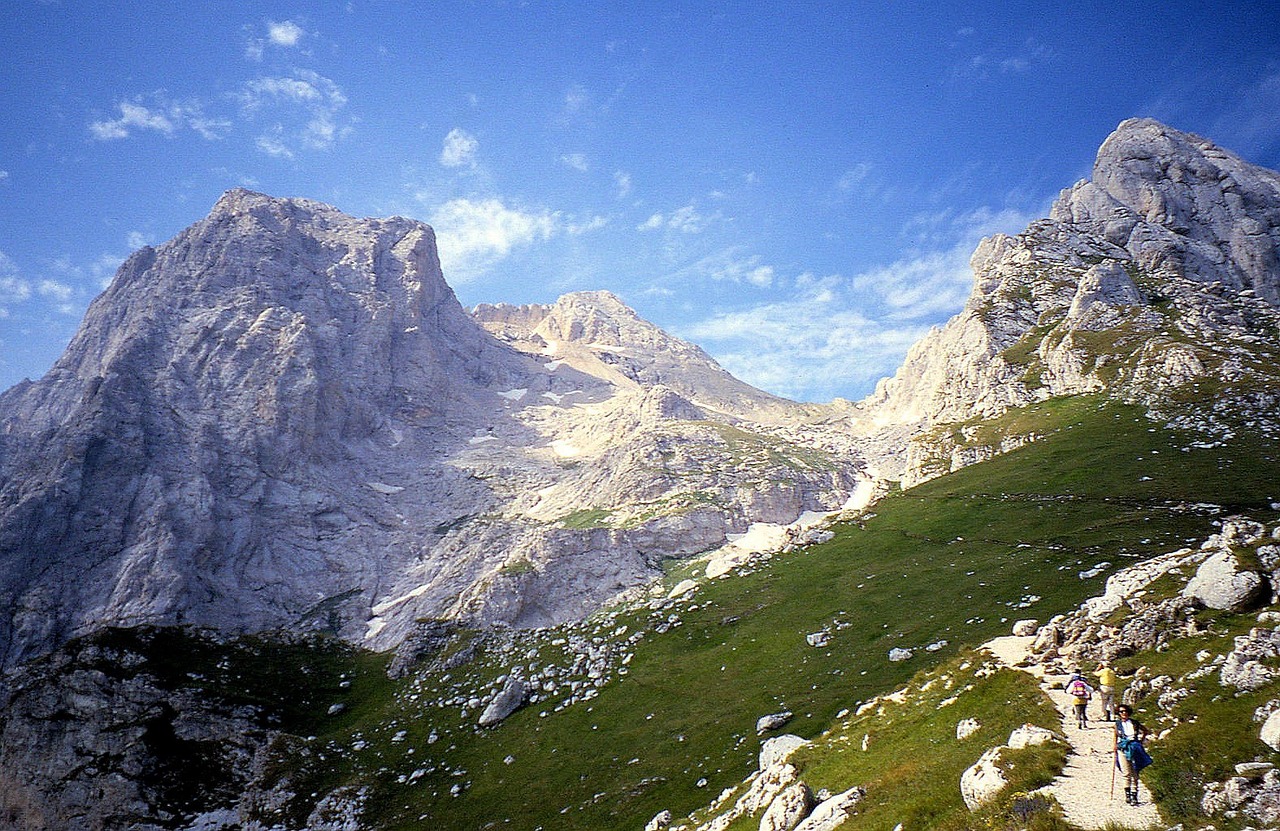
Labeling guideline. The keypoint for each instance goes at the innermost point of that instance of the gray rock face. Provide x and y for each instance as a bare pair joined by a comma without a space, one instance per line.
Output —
283,418
1161,271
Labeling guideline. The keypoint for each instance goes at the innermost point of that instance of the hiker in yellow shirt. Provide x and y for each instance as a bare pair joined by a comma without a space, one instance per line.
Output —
1106,689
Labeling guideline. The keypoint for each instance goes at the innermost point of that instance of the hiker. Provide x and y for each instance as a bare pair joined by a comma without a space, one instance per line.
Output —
1080,693
1106,690
1131,756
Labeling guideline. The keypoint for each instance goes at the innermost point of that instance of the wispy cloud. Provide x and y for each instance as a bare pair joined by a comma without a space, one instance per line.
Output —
158,115
576,161
13,288
732,265
283,33
834,333
686,220
1006,60
305,109
812,347
474,234
622,180
459,149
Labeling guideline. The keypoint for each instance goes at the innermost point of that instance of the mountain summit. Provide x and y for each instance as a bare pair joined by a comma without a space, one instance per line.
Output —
1160,274
283,418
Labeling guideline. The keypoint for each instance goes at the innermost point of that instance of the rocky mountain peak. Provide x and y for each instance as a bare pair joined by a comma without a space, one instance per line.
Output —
1183,207
1160,271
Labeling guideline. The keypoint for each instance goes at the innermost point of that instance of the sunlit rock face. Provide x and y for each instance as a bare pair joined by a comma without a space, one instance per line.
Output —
283,418
1162,270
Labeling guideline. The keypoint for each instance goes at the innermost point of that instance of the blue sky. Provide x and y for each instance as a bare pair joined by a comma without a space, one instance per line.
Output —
795,187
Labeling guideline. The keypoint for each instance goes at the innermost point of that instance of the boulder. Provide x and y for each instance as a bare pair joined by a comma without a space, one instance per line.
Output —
1270,734
505,702
772,722
1247,666
1026,628
660,820
1222,582
966,728
832,812
981,782
818,639
777,750
898,654
788,809
1029,735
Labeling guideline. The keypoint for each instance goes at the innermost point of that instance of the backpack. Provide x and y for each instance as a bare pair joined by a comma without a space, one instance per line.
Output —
1078,688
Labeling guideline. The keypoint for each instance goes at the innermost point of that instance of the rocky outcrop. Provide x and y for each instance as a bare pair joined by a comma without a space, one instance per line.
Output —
1158,272
1223,582
983,780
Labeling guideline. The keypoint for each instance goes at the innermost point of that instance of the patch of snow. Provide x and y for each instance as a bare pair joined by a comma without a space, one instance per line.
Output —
481,439
376,625
384,489
563,447
554,397
386,605
514,395
761,536
552,366
861,496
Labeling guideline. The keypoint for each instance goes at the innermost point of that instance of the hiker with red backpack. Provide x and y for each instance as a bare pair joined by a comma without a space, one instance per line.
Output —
1080,693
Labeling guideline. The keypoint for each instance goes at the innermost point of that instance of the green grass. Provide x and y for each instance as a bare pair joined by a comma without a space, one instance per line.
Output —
912,763
954,560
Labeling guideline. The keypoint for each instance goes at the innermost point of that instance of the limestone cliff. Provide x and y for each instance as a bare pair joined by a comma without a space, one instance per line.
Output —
283,418
1160,274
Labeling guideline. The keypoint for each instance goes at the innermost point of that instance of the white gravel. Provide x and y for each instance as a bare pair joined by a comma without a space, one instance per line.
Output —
1085,788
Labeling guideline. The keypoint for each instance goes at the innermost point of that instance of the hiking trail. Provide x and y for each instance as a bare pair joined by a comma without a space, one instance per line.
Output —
1084,789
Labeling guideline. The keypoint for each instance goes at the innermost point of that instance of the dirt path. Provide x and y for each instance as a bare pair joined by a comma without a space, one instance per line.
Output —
1084,789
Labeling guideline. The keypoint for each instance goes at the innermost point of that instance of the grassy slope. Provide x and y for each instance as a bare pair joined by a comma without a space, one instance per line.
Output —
951,559
955,559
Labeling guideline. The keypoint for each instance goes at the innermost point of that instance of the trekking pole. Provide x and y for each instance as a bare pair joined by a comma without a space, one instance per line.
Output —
1114,764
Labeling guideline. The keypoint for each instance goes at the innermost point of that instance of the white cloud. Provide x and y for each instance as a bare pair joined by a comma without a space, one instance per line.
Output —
474,234
685,220
459,149
163,116
813,347
136,240
13,288
733,266
576,99
273,146
4,174
284,33
577,161
55,290
623,180
306,109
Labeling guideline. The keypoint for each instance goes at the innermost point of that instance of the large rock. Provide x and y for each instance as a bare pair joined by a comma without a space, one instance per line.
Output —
788,808
831,813
1029,735
983,780
1251,664
777,750
1222,582
509,699
1270,733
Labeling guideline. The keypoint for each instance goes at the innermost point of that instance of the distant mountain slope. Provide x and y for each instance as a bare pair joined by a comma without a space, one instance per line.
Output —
1159,277
595,332
284,418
